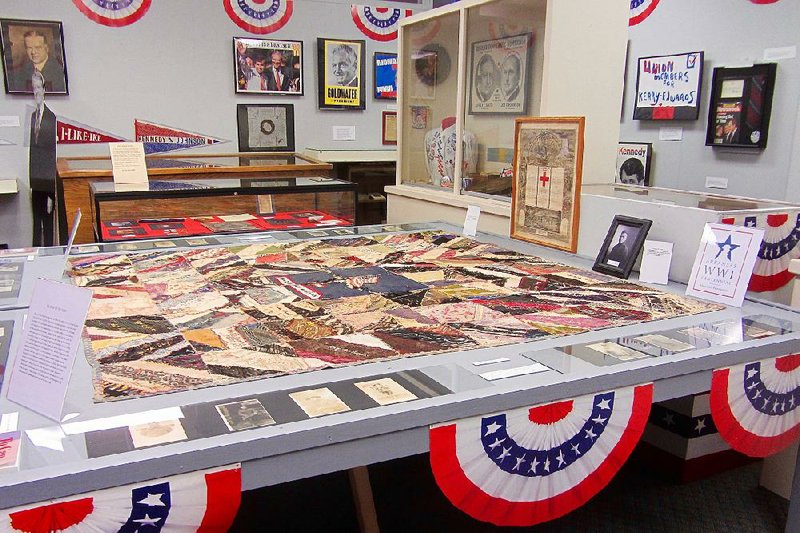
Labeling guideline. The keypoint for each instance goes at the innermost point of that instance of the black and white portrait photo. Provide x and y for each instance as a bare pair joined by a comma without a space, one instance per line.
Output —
499,75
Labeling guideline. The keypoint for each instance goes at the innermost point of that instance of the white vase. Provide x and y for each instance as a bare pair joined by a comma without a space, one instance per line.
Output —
440,152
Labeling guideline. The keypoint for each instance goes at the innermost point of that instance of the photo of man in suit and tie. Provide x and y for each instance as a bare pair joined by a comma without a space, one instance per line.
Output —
42,166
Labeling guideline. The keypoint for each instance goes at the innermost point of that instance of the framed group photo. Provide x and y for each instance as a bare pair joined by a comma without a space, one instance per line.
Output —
499,74
265,127
385,75
633,163
668,87
621,246
33,45
268,66
341,73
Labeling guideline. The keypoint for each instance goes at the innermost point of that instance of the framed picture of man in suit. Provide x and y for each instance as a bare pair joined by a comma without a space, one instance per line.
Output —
341,68
499,75
267,66
621,246
33,45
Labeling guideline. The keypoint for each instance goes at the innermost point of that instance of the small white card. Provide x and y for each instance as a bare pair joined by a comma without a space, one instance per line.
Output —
724,263
128,166
43,361
513,372
670,134
656,258
471,220
344,133
9,121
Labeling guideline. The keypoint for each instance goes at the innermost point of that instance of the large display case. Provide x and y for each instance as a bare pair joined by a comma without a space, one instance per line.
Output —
76,173
215,206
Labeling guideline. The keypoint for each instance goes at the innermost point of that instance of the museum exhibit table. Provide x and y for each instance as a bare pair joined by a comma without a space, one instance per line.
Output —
323,420
74,174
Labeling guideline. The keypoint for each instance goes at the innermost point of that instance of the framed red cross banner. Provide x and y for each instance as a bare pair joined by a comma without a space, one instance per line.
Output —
545,201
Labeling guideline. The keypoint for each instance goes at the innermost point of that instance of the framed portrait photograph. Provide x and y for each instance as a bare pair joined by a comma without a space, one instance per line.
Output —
621,246
389,127
546,189
268,66
33,45
499,73
633,163
341,72
740,107
265,127
668,87
385,75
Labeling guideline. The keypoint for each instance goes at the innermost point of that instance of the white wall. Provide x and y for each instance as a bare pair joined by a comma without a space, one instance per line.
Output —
175,66
731,34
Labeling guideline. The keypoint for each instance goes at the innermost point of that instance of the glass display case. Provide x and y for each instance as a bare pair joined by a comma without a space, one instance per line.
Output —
181,208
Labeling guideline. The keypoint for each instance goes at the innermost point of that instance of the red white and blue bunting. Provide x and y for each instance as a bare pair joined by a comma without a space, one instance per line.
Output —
531,465
198,501
378,23
640,10
113,13
779,247
259,16
756,406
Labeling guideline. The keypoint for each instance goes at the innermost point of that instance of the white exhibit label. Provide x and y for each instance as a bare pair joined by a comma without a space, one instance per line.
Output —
344,133
128,166
783,52
471,220
670,134
513,372
656,258
43,361
9,121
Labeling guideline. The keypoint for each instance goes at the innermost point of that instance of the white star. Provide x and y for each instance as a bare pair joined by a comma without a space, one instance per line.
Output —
153,500
491,428
599,420
575,449
791,401
765,402
519,460
752,372
775,406
701,424
604,404
590,434
560,458
496,443
669,419
547,465
506,452
534,464
757,394
147,521
783,406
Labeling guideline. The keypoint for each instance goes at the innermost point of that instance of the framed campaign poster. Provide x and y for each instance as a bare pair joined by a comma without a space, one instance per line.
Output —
499,75
740,107
545,198
265,127
385,75
633,163
341,83
668,87
33,45
621,246
268,66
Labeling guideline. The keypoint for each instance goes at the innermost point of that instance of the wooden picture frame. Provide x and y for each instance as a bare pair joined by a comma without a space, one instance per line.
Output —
668,87
265,127
341,74
740,106
622,246
384,75
33,44
389,127
499,75
254,66
633,163
545,198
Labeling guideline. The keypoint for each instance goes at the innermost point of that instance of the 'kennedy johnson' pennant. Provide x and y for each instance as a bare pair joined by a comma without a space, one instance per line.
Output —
160,138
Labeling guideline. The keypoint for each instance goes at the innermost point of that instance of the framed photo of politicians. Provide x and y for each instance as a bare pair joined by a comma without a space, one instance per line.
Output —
265,127
545,193
668,87
633,163
268,66
621,246
740,107
33,45
385,75
499,74
341,69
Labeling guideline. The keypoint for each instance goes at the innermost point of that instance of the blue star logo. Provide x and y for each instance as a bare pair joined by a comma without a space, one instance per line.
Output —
731,247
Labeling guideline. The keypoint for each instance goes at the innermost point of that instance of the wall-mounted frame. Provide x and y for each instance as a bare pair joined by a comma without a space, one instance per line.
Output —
265,127
633,163
740,107
621,246
341,69
499,75
268,66
384,75
33,44
389,127
668,87
545,199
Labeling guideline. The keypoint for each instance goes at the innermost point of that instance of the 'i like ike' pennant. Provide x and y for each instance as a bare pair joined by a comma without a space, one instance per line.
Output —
378,23
73,132
159,138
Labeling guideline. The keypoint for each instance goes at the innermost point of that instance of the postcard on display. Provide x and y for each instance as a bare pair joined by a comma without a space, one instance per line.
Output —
246,414
724,263
153,433
9,449
268,66
386,391
499,75
318,402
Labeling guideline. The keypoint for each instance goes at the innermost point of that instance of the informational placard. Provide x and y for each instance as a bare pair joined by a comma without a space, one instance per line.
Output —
668,87
656,259
471,220
43,362
724,263
128,166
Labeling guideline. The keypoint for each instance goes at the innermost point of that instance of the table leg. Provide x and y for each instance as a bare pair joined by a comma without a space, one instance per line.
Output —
362,498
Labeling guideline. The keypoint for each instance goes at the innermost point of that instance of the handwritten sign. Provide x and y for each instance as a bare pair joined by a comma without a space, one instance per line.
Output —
668,87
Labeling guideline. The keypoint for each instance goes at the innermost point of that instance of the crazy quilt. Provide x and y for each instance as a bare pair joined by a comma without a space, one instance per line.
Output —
170,320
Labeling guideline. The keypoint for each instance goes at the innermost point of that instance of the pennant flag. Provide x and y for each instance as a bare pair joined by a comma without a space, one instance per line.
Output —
378,23
640,10
72,132
113,13
259,16
159,138
532,465
198,501
778,248
756,406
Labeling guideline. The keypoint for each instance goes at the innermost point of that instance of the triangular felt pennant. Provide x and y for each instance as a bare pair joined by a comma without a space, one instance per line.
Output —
160,138
69,131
